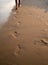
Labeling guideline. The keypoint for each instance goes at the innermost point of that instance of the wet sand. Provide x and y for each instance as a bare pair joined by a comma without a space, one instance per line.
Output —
24,37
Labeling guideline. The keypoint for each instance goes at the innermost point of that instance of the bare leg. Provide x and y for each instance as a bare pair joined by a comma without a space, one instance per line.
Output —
16,3
19,3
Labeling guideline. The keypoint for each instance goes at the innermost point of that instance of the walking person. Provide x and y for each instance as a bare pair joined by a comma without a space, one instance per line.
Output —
17,2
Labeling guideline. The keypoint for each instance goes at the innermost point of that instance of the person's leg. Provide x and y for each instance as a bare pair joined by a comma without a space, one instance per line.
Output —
19,3
16,3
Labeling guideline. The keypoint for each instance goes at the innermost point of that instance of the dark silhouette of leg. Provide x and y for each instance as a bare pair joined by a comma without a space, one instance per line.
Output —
16,3
19,3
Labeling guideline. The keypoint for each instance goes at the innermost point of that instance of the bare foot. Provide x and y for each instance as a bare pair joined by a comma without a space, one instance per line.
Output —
16,8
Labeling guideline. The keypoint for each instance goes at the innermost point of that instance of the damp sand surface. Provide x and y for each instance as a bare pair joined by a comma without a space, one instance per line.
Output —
24,37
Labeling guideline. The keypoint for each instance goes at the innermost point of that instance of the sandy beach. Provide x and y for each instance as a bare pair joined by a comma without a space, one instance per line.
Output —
24,37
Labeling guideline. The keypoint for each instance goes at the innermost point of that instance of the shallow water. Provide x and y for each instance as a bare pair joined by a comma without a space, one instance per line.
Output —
5,9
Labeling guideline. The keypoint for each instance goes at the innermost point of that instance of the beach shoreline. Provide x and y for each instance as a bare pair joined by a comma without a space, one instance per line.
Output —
24,37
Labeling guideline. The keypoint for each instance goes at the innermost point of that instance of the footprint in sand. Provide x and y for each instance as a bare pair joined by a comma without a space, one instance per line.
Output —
14,35
41,42
19,51
37,42
44,41
18,23
14,13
